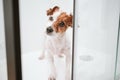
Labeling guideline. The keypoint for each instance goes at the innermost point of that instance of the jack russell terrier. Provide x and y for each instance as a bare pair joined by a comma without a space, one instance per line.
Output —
56,41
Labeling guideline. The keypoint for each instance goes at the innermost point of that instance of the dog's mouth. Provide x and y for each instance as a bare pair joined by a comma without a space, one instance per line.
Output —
49,33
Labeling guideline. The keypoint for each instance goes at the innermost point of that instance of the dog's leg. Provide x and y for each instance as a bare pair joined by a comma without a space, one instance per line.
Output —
68,66
52,75
42,55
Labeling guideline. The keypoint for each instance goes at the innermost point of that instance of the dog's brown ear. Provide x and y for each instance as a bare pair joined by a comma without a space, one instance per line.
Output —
52,10
70,20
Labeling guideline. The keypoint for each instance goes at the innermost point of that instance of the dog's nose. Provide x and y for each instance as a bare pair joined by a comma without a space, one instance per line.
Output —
49,29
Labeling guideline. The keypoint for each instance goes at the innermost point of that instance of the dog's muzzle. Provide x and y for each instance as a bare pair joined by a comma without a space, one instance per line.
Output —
49,30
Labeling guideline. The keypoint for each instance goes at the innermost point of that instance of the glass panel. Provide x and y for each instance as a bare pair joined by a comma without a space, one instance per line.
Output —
46,30
96,39
3,64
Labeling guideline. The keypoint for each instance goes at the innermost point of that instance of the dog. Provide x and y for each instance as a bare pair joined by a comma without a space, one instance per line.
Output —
56,42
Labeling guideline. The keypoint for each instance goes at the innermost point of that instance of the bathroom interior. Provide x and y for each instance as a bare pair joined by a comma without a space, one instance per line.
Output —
97,51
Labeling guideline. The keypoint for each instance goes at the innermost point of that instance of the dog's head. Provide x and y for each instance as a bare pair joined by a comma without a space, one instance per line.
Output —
58,21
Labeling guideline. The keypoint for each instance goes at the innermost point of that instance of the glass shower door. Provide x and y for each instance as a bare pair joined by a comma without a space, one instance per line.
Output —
117,72
95,54
46,29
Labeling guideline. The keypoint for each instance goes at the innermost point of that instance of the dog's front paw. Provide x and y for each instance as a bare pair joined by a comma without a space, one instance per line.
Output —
42,56
52,77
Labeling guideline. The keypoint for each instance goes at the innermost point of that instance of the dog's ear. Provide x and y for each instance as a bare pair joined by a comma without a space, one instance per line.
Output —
70,20
52,10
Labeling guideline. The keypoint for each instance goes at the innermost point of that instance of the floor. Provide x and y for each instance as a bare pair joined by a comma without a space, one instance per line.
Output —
90,66
95,66
35,69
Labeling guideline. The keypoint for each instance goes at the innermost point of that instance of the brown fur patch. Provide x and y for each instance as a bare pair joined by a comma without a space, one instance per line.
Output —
63,22
52,10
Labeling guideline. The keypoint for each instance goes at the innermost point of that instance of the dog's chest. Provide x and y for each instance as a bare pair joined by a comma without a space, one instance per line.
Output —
59,46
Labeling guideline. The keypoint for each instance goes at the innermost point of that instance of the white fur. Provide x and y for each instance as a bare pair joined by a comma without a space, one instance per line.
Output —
57,44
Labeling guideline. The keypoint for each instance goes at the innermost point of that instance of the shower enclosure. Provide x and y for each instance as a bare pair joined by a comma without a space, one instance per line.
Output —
97,40
95,47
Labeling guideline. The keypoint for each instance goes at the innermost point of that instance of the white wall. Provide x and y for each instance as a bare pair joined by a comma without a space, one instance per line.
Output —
33,20
98,20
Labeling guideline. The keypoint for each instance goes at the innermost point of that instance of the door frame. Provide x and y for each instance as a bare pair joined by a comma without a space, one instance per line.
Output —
12,37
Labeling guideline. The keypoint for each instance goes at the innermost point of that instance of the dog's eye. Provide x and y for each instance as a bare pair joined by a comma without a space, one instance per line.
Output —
61,24
51,18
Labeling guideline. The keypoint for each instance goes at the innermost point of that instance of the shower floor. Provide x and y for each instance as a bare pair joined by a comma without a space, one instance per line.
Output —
88,66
